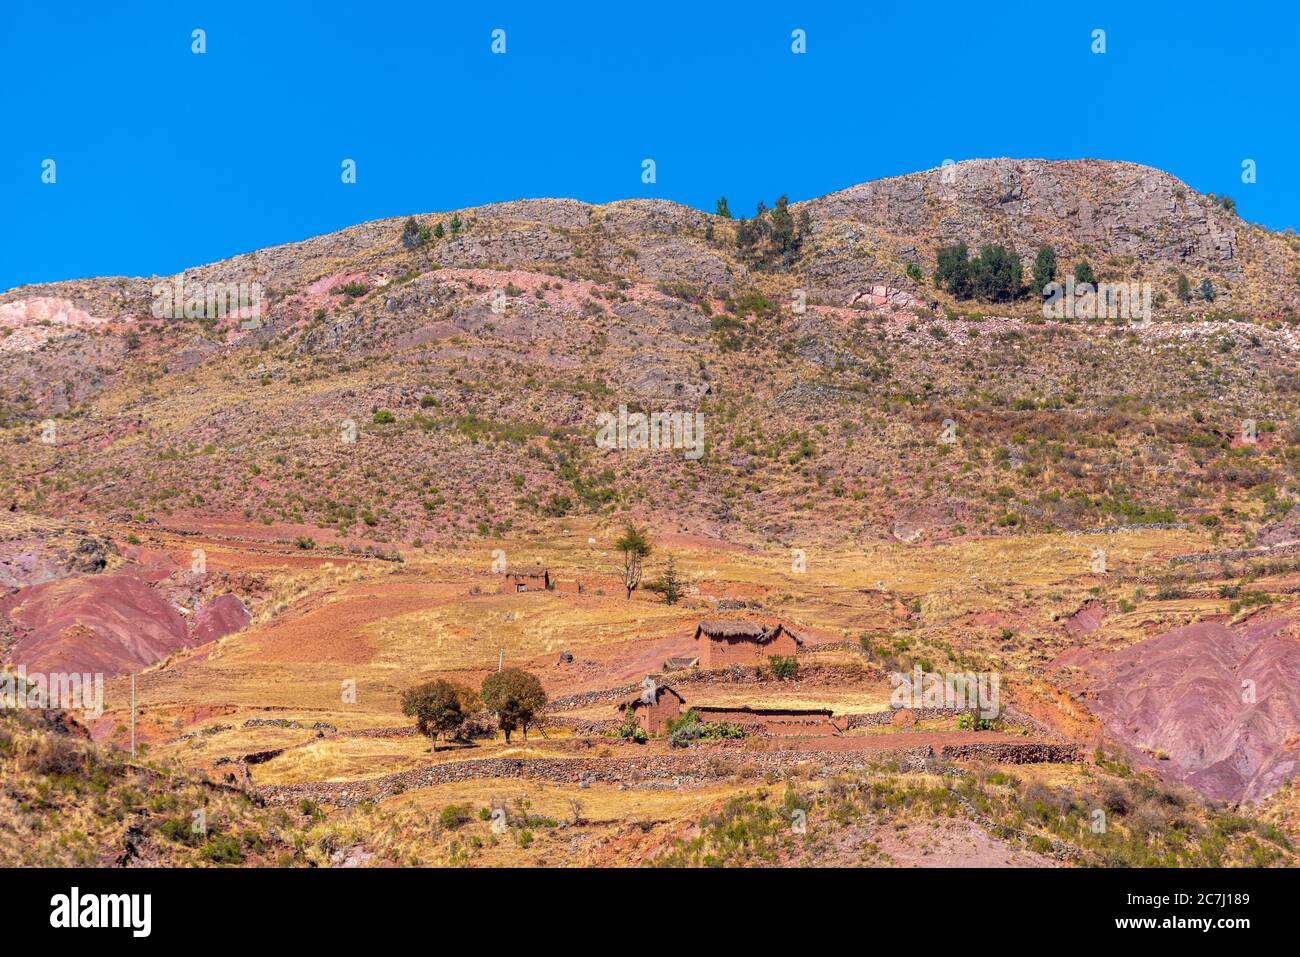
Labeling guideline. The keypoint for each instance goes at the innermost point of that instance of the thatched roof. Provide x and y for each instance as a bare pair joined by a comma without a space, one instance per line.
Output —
533,571
743,628
729,628
634,699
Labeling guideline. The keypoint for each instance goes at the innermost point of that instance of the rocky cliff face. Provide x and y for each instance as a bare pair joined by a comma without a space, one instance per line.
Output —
1130,221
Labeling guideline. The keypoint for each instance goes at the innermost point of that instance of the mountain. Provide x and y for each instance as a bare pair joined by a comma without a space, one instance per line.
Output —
247,507
649,304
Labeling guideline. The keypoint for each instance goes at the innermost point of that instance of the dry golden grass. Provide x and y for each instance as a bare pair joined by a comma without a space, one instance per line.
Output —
386,626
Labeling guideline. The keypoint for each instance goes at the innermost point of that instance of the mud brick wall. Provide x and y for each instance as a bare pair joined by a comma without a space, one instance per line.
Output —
725,652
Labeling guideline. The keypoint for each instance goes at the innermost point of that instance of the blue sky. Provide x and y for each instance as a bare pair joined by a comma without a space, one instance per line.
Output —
167,159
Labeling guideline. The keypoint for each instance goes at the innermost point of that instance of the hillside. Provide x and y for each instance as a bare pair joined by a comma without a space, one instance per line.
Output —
248,512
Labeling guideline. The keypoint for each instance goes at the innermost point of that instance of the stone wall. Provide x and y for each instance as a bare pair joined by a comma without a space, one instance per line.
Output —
647,770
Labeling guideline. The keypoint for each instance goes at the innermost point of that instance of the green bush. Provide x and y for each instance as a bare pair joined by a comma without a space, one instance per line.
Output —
454,815
784,668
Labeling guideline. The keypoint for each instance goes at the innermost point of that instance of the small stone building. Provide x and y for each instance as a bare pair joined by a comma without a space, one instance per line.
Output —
724,642
525,579
654,715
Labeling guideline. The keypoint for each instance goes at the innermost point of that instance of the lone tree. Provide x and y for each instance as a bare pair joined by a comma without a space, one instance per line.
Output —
1044,268
439,707
722,208
670,583
1207,290
635,548
516,697
1184,288
415,233
1083,273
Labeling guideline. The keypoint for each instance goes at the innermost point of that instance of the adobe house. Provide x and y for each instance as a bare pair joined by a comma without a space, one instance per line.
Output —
724,642
526,579
653,716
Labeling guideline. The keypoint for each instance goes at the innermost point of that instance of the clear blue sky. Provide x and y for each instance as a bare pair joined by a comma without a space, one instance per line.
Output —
167,159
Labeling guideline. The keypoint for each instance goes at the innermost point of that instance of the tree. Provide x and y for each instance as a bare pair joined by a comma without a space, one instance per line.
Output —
1207,290
635,548
439,707
438,231
1044,268
415,233
516,697
783,237
1083,273
455,223
952,271
745,236
996,274
1184,288
722,208
670,583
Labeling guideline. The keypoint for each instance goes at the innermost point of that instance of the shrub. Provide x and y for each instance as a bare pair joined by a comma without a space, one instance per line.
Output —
454,815
631,729
783,668
222,849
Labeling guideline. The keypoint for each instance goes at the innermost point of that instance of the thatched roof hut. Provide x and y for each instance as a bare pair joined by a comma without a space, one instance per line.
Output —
526,578
743,629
